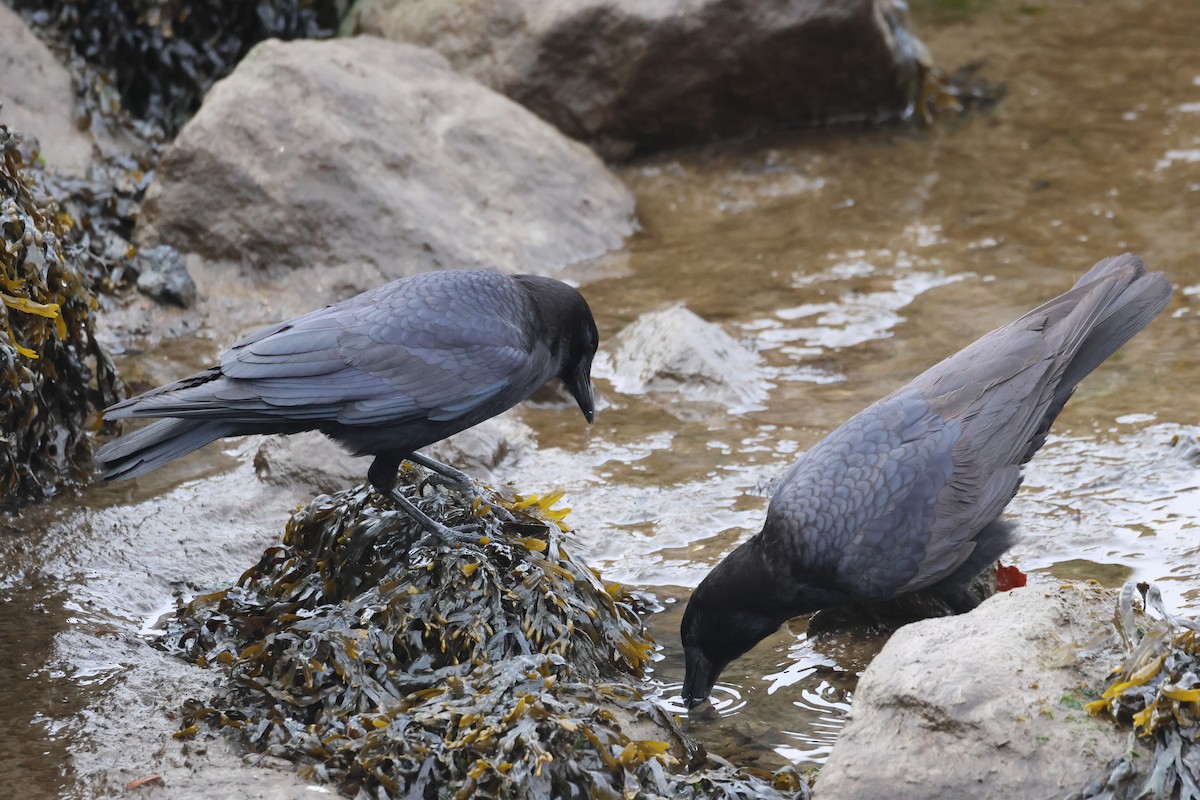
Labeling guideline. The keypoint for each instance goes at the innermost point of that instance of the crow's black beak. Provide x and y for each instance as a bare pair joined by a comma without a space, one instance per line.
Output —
580,386
699,677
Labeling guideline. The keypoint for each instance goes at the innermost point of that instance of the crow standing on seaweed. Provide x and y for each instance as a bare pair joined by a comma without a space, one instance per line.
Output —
384,373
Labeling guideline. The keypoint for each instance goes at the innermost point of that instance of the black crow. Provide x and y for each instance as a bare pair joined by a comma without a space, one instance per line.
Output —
907,495
384,373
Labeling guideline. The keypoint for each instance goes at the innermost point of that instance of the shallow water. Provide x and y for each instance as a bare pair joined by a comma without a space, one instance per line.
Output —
850,260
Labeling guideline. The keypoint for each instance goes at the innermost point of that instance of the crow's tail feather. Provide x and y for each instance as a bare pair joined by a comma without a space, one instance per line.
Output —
1143,297
155,445
1141,301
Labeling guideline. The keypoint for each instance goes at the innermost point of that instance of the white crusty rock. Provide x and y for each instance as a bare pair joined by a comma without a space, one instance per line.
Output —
675,350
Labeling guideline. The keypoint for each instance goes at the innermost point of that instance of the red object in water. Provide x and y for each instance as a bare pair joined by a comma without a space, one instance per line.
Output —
1008,578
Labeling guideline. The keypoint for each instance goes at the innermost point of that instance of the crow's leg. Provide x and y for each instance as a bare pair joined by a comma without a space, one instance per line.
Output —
458,480
450,476
382,476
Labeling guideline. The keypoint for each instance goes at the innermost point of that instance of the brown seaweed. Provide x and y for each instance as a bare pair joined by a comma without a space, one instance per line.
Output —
53,372
1156,692
156,59
503,669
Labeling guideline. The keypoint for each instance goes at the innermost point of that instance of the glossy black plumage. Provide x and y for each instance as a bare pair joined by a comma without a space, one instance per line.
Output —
906,496
384,373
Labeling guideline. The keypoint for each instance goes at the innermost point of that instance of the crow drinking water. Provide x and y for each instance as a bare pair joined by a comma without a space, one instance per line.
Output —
907,495
384,373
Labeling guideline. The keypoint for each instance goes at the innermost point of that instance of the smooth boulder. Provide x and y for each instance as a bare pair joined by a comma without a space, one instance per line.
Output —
36,98
984,705
311,462
322,168
622,74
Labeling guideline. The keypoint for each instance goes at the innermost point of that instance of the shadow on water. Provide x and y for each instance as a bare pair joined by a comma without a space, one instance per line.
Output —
851,260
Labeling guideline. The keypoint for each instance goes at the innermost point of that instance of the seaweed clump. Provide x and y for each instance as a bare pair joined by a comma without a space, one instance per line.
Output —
1156,691
157,58
54,371
393,669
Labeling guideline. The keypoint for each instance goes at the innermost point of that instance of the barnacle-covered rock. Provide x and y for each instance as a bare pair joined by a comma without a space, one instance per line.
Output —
987,704
53,373
503,669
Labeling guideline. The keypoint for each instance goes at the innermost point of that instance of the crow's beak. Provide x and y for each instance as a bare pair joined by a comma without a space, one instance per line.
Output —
580,387
699,677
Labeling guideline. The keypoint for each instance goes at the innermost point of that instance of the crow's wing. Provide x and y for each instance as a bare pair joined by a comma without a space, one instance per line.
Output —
891,501
854,512
1005,390
432,349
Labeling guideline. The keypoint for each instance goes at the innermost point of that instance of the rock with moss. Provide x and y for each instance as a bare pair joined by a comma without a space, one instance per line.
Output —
390,668
53,372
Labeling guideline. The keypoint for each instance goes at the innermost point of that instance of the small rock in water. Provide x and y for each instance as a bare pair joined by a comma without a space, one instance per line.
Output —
674,349
163,276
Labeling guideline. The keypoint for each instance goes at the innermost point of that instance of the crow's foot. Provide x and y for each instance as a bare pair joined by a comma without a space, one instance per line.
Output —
436,531
447,476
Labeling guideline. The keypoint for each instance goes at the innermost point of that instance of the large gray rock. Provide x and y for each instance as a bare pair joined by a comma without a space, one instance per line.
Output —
36,96
619,73
366,160
984,705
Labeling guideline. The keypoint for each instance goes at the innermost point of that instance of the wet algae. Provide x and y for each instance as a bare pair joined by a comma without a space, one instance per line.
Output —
393,668
53,372
1155,692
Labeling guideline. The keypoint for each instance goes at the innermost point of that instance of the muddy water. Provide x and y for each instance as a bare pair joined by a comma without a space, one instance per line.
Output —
850,260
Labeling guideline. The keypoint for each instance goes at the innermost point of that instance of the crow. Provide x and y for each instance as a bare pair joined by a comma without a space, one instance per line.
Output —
906,496
383,373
